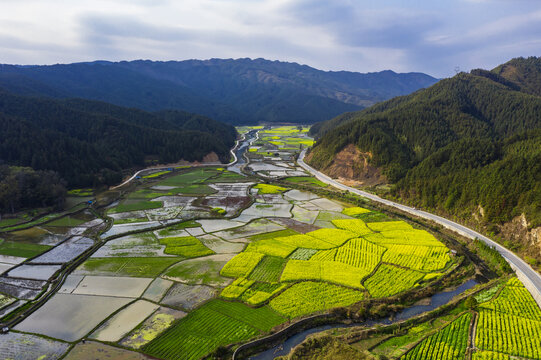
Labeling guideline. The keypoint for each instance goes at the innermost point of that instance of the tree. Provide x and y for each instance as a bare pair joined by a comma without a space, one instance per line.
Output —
470,303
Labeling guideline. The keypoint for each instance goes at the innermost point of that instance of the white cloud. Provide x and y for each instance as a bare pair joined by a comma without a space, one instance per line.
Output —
418,35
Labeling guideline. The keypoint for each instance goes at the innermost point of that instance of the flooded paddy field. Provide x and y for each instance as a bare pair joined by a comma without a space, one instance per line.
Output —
187,297
157,289
112,286
70,317
124,321
34,272
89,349
65,252
200,271
162,319
18,346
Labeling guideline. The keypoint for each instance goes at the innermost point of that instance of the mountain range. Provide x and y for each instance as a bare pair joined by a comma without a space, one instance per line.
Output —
241,91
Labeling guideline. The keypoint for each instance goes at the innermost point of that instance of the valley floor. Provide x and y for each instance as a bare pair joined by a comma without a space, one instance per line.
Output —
188,261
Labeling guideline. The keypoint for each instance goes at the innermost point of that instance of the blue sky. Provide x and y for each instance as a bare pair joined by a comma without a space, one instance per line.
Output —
432,36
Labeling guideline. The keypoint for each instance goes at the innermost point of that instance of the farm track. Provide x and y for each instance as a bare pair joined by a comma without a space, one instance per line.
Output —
530,278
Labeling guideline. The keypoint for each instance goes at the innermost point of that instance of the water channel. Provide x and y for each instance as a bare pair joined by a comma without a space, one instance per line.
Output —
241,150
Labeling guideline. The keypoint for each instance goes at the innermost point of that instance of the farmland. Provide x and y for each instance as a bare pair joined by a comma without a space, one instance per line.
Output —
230,322
510,323
389,280
174,278
308,297
447,344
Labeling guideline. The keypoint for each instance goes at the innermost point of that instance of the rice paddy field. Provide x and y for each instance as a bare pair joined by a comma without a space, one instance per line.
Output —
172,278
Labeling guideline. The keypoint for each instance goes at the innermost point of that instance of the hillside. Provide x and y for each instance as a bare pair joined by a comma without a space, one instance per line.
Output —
234,91
468,146
90,143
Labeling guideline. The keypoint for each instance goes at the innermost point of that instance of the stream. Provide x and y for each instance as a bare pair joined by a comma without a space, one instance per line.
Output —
239,153
436,301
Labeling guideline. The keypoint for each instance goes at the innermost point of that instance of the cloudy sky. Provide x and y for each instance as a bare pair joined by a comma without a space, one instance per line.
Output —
432,36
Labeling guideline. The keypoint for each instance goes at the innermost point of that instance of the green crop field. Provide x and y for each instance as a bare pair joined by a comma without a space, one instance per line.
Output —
269,269
22,249
305,241
125,266
406,237
356,226
447,344
226,176
273,247
356,252
10,222
195,189
236,288
141,205
187,246
215,323
490,355
510,323
423,258
514,299
389,226
241,265
306,180
269,189
188,178
148,194
330,271
66,221
308,297
353,211
81,192
302,254
335,237
258,293
389,280
273,234
156,174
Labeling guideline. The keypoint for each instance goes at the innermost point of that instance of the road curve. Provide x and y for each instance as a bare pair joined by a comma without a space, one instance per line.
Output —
529,277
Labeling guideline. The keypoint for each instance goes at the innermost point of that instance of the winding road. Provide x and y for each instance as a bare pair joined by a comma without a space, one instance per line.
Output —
529,277
165,167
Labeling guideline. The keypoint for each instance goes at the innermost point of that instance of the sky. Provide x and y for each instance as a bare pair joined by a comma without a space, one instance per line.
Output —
431,36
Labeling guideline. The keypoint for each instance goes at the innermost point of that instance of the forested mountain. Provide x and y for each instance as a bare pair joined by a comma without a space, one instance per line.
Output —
468,146
90,142
234,91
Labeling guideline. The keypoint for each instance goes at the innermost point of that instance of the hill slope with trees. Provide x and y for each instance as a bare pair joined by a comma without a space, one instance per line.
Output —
233,91
469,146
90,143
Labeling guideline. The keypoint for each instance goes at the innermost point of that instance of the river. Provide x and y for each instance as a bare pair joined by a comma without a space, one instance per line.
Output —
436,301
241,150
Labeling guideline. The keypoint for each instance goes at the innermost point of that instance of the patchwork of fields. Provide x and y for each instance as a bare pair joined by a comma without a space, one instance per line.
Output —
200,258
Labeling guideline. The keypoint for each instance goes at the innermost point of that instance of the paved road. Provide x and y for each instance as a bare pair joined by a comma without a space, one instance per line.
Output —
530,278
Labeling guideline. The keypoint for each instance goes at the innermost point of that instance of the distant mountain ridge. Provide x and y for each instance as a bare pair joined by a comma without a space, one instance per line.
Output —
233,91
